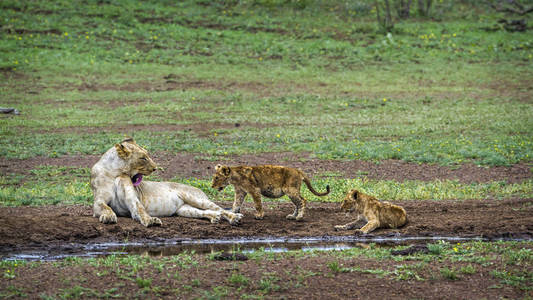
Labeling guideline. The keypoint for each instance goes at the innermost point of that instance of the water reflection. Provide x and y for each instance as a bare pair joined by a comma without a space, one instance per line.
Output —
245,245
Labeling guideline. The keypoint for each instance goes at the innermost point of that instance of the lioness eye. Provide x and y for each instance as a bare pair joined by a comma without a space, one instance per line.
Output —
143,158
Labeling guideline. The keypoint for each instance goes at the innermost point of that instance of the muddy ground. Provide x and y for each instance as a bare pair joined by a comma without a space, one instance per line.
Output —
278,277
65,226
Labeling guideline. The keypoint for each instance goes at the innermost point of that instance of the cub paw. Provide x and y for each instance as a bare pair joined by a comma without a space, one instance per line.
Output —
340,227
259,216
108,218
290,217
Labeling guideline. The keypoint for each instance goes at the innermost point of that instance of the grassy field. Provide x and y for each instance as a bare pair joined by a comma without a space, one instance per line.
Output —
298,76
221,79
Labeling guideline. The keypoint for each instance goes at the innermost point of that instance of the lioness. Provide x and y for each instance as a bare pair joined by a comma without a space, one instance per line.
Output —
119,189
377,214
267,180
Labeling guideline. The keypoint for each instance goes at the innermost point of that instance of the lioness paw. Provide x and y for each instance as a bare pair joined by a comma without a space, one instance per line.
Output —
155,222
150,221
235,219
215,219
108,218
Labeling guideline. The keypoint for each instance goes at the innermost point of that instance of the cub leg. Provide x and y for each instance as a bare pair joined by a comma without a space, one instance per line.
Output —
348,226
239,199
259,214
370,226
192,212
126,191
299,210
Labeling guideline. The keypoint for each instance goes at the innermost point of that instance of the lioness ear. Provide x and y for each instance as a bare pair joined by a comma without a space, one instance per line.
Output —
355,194
122,151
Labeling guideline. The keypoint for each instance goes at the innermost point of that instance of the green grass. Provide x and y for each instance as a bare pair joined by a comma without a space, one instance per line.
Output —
301,76
52,185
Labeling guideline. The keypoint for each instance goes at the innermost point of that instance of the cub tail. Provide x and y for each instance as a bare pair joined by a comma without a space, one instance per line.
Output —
310,187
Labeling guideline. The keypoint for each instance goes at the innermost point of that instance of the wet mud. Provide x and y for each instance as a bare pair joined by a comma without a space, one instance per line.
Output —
71,229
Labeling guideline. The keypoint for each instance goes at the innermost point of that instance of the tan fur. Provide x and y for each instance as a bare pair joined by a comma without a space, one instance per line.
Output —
267,180
114,193
377,214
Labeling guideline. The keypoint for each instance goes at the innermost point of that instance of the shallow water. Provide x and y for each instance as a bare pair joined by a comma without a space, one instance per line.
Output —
244,245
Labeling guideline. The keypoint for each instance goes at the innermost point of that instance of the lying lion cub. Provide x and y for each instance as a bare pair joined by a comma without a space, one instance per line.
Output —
377,214
119,190
267,180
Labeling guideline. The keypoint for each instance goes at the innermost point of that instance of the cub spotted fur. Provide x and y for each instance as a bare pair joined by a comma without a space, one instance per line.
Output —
377,214
267,180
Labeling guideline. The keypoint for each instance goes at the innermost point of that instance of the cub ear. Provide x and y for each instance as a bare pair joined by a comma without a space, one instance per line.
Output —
122,151
129,140
224,169
355,194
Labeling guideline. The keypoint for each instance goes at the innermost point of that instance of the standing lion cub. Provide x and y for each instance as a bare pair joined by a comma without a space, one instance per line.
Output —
377,214
267,180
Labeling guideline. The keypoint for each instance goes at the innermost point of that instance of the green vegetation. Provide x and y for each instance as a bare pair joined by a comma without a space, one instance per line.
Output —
50,185
301,76
201,276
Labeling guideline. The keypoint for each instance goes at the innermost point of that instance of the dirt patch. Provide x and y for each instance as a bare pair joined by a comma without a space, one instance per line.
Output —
38,227
189,165
177,83
202,129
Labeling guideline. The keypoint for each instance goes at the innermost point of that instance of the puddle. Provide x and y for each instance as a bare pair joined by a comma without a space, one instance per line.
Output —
245,245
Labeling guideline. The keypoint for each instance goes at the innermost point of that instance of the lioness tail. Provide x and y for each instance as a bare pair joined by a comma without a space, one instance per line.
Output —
308,183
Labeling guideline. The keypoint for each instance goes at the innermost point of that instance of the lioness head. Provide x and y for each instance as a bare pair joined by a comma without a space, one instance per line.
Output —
138,163
351,201
221,177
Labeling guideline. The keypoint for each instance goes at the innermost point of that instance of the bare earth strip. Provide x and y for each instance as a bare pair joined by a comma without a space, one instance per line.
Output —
49,226
188,165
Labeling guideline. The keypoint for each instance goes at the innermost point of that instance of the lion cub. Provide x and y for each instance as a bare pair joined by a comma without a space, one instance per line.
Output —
377,214
267,180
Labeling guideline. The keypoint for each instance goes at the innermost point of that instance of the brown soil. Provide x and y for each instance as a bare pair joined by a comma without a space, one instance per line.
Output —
187,165
279,276
202,129
291,277
38,227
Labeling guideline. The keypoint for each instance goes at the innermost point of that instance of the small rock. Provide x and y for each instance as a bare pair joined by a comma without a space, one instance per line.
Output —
9,110
230,256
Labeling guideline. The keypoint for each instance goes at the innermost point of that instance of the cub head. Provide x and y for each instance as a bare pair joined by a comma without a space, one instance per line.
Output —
138,163
351,201
221,177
